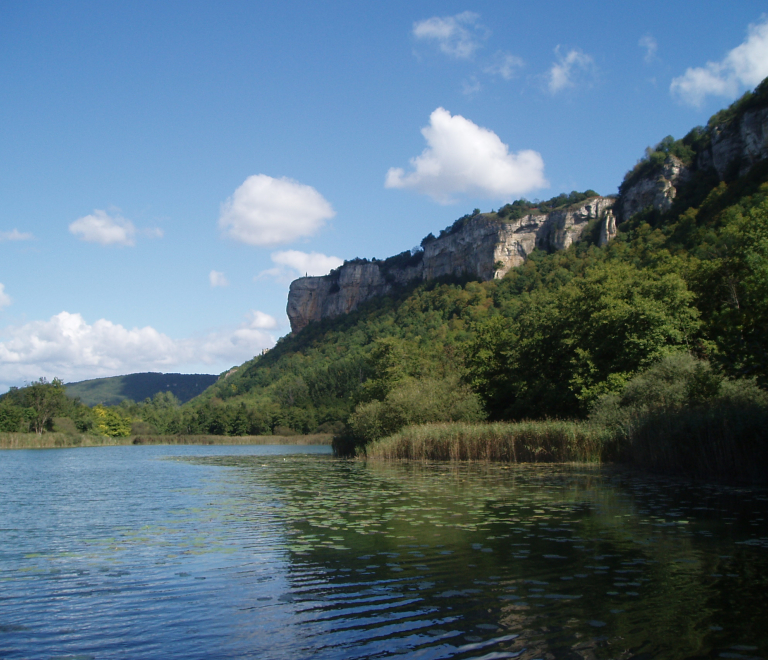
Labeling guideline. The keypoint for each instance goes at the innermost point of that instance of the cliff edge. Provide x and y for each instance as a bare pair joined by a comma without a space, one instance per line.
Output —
484,246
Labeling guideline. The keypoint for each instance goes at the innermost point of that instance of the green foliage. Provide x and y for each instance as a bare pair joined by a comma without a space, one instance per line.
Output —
415,401
523,207
565,346
683,415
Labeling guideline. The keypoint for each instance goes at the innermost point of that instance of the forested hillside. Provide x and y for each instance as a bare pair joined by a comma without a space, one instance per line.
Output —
554,337
137,387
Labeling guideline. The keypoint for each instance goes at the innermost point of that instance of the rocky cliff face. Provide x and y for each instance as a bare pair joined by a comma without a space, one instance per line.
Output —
738,146
656,190
732,150
484,247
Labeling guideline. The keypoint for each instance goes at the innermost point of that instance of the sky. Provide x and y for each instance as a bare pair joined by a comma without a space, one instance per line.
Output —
167,168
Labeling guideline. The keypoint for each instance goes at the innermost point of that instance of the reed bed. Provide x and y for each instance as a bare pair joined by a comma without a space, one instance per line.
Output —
726,443
60,440
520,442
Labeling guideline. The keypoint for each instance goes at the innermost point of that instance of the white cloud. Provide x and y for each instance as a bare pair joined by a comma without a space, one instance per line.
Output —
260,320
649,43
505,65
15,235
68,347
571,69
462,157
217,278
153,232
100,227
5,299
268,211
456,36
313,263
744,66
292,264
471,87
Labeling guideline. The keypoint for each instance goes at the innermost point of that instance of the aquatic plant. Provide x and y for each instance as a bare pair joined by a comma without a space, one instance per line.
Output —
520,442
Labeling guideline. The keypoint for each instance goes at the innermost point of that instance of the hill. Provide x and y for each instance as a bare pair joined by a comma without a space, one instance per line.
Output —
137,387
685,269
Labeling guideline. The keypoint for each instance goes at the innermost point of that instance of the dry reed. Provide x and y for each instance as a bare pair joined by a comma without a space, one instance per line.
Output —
521,442
61,440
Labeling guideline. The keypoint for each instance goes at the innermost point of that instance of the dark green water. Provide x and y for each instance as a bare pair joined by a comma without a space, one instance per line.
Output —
229,552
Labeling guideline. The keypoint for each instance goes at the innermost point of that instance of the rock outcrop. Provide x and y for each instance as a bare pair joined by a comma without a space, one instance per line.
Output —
657,190
731,150
483,247
487,246
737,146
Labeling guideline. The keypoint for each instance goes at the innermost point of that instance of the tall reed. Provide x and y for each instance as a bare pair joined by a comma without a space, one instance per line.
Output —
61,440
521,442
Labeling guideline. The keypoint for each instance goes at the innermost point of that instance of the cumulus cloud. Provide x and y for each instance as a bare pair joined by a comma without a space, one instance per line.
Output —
462,157
744,66
68,347
575,67
269,211
102,228
312,263
649,43
5,299
15,235
291,264
505,65
217,278
458,36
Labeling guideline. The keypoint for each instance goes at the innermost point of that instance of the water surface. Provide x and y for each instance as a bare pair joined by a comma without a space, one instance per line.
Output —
284,552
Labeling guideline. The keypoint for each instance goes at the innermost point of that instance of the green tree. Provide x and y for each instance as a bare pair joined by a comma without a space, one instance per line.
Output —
44,401
566,346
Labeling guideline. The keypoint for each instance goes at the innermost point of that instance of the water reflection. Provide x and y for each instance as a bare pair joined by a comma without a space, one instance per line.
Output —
291,556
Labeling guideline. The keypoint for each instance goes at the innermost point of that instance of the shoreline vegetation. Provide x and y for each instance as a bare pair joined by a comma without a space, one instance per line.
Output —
69,440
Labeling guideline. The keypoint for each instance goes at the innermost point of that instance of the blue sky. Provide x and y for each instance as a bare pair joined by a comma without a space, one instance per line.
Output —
166,168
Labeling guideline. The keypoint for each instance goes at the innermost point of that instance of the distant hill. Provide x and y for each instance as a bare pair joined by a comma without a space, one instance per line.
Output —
111,391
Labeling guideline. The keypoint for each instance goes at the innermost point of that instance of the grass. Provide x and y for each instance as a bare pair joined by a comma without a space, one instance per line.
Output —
725,442
520,442
54,440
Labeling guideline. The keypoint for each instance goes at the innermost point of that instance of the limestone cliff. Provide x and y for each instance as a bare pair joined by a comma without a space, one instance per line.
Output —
730,149
737,145
657,189
484,246
487,246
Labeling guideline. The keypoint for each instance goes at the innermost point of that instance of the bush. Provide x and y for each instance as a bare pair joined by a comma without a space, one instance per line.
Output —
416,401
682,416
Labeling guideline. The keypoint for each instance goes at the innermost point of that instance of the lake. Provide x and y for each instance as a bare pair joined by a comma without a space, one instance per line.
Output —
284,552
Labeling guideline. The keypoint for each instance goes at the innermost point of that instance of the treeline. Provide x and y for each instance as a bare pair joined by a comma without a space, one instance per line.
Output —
552,337
560,337
43,407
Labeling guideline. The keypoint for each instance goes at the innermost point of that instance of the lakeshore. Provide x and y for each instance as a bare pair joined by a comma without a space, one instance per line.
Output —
68,440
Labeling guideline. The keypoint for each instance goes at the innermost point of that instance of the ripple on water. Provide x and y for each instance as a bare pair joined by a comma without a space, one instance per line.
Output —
228,552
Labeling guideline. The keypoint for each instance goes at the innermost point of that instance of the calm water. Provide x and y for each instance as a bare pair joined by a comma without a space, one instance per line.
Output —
284,552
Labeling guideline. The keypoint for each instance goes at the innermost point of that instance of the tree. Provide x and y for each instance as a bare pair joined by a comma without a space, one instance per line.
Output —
44,400
110,422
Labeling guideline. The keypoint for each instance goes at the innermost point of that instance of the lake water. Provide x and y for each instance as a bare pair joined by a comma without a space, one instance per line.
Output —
285,552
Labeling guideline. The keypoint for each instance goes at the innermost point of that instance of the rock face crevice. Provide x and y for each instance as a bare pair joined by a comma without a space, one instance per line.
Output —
485,247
